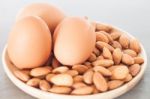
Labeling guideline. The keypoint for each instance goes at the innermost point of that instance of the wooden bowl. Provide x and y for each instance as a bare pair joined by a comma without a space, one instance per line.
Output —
9,68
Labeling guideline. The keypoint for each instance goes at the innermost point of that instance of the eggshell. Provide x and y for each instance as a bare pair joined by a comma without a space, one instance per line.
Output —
29,42
74,40
49,13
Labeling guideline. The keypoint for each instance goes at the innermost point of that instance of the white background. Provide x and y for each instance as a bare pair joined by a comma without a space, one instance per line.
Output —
130,15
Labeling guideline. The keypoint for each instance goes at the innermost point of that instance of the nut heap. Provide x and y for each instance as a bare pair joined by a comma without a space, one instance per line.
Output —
114,62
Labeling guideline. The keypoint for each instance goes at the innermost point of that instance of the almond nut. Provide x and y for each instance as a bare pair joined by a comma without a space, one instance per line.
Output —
44,85
127,59
103,62
107,53
102,70
134,69
130,52
124,41
138,60
135,45
61,69
80,68
101,45
60,90
117,56
82,91
101,37
100,82
62,80
88,76
21,75
114,84
34,82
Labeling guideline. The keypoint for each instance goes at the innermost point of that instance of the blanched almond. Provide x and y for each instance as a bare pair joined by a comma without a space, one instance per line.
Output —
82,91
78,78
107,53
88,76
103,62
34,82
124,41
116,44
103,27
79,85
62,80
138,60
127,59
61,69
49,76
44,85
92,57
135,45
60,90
80,68
130,52
134,69
114,84
101,37
101,45
100,82
96,51
21,75
117,56
102,70
40,71
55,63
72,72
120,72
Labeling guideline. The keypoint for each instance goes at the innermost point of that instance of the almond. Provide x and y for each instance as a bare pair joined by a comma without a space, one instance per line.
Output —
40,71
116,44
103,62
80,68
78,78
114,84
103,27
100,82
124,41
82,91
134,69
96,51
135,45
60,90
92,57
120,72
128,78
44,85
117,56
49,76
87,63
127,59
34,82
21,75
101,37
100,57
79,85
108,36
88,76
61,69
72,72
130,52
115,34
62,80
102,70
138,60
101,45
107,53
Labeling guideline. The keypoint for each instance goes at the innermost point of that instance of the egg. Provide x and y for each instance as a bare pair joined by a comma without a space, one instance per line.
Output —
49,13
29,42
74,40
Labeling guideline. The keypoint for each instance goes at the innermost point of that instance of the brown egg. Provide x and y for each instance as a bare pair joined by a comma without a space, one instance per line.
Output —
74,40
29,42
49,13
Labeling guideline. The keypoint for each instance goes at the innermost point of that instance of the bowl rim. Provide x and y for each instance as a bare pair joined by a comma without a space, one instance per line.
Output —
124,86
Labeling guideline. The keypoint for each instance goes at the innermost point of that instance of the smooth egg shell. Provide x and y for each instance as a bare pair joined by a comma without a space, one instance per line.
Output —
29,42
49,13
74,40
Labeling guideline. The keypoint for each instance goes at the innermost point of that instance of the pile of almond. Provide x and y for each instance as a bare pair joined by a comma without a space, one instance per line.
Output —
114,62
